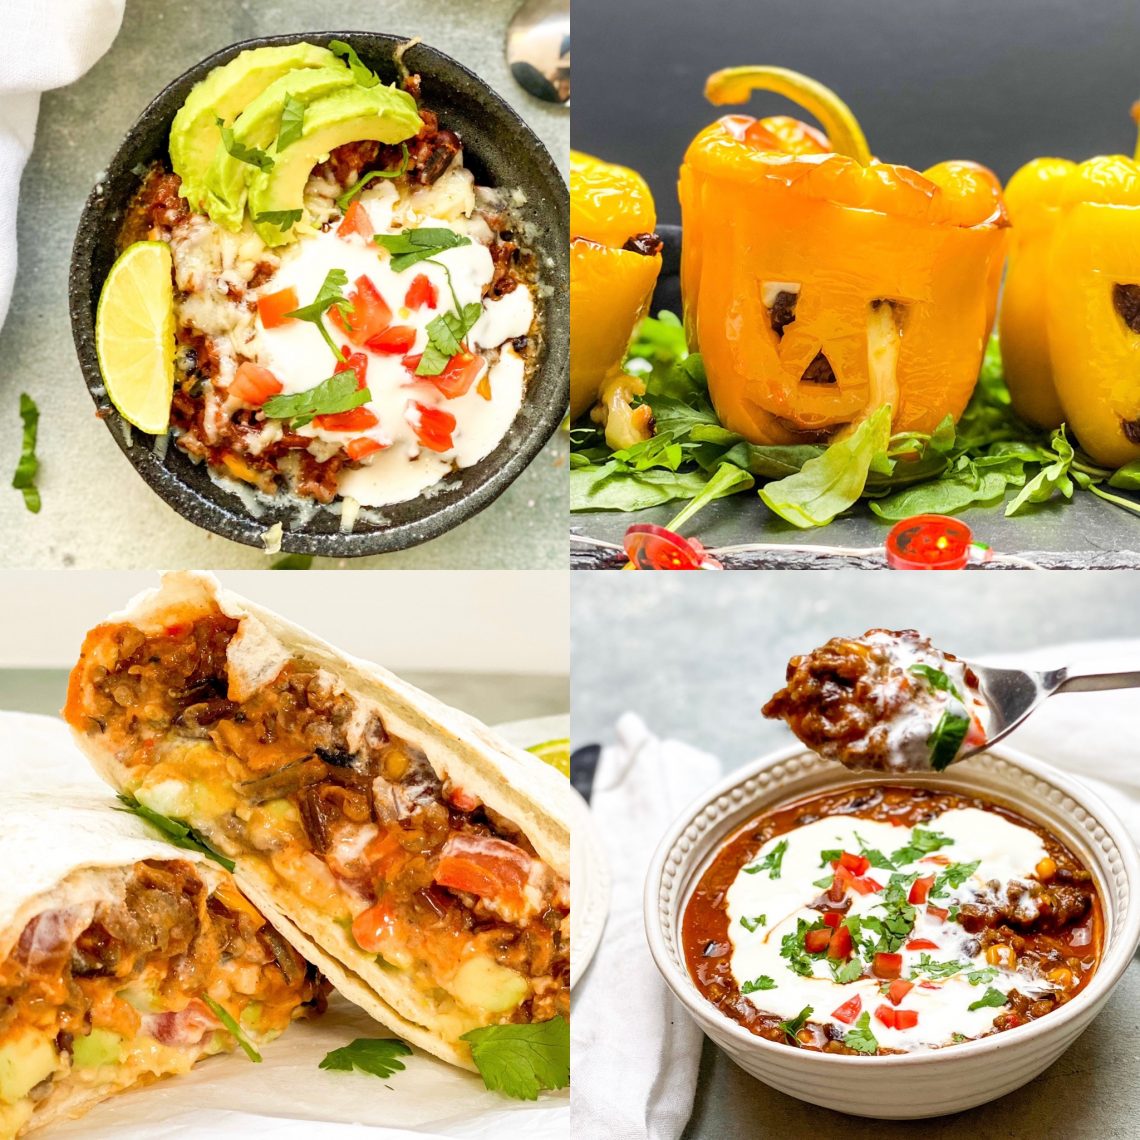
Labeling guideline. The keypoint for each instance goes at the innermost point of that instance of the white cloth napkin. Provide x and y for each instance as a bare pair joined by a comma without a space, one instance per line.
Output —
43,44
634,1050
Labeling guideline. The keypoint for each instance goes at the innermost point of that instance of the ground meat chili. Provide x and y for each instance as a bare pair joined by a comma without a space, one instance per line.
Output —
404,847
1049,926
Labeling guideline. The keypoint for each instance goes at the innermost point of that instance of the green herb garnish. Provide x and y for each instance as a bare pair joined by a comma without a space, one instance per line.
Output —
873,855
414,246
829,856
282,219
953,876
936,679
233,1028
338,393
522,1060
793,952
750,924
991,997
792,1027
445,333
771,862
985,974
861,1039
330,295
930,968
24,480
848,972
173,830
364,76
379,1056
292,122
922,842
761,983
946,739
250,155
344,200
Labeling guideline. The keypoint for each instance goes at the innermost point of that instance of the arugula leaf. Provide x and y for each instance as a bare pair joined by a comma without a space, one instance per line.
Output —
792,1027
751,924
364,76
991,997
830,483
250,155
761,983
861,1039
232,1027
445,335
660,341
1054,477
338,393
330,295
282,219
771,862
413,246
953,876
292,122
379,1056
173,830
521,1060
922,842
363,181
293,562
24,480
946,739
936,679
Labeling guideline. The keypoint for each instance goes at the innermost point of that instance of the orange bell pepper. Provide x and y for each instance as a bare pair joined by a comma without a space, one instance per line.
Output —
820,284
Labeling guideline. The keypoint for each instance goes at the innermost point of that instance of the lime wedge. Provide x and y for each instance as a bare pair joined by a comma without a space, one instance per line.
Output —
134,335
556,753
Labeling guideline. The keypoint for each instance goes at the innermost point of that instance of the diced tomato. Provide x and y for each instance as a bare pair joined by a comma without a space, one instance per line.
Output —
356,419
849,1010
434,428
462,800
411,363
186,1027
899,988
856,864
906,1018
358,362
394,340
936,912
484,866
941,860
886,1014
886,965
421,292
357,449
273,307
837,892
921,944
975,734
253,384
927,986
862,886
816,941
372,927
370,316
833,918
840,945
920,888
459,374
356,221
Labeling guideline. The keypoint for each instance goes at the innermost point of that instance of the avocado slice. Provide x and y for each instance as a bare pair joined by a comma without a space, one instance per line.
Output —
99,1047
257,126
223,94
385,114
25,1060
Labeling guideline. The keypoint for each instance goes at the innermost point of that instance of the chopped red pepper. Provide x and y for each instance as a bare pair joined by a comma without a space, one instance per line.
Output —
941,860
856,864
816,941
359,448
356,221
849,1010
356,419
886,965
394,340
421,292
459,374
253,384
862,886
936,912
833,918
840,945
920,888
434,427
273,307
927,986
921,944
899,988
370,315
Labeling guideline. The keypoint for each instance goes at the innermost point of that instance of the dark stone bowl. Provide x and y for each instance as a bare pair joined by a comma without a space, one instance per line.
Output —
502,151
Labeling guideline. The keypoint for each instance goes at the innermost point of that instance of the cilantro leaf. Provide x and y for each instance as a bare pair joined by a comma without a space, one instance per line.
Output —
330,295
927,966
250,155
873,855
363,181
953,876
861,1039
793,952
413,246
792,1027
750,924
991,997
292,122
985,974
947,737
771,862
232,1027
521,1060
761,983
829,856
173,830
24,479
338,393
282,219
851,970
364,76
379,1056
823,884
936,679
445,333
922,842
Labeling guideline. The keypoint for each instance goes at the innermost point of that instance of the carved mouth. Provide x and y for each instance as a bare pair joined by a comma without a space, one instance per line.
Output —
819,371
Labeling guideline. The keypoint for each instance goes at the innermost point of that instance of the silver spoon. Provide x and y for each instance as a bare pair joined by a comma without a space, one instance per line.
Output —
1012,694
538,49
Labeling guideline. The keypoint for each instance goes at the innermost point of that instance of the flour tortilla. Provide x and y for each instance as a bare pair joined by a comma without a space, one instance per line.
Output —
508,780
65,848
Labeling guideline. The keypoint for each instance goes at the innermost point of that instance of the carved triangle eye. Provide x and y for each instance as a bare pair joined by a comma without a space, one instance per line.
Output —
819,371
1126,301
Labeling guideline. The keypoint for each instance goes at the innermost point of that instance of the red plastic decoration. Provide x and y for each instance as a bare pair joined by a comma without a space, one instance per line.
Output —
650,547
932,542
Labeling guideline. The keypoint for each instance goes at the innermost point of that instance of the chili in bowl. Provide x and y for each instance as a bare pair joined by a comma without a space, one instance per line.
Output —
915,922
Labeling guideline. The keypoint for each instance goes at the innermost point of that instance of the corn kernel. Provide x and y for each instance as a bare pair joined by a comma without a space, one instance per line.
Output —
1046,869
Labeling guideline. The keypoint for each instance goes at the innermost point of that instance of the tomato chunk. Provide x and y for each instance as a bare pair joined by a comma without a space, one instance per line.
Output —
358,362
856,864
434,427
370,316
886,1015
862,886
936,912
840,945
273,307
899,988
356,419
356,221
816,941
833,918
906,1018
394,340
484,866
921,944
849,1010
886,965
253,384
362,447
919,889
421,292
411,363
372,927
459,375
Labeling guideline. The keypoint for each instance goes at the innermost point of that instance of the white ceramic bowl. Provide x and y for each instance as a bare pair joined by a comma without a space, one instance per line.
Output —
907,1086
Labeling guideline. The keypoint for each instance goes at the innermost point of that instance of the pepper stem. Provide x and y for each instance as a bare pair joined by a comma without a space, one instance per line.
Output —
1136,120
736,84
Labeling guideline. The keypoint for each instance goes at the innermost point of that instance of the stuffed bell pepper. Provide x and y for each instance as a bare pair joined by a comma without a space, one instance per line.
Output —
1070,323
820,284
615,257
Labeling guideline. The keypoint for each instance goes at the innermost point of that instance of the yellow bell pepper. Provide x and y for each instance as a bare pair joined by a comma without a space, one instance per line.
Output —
1070,322
819,284
614,262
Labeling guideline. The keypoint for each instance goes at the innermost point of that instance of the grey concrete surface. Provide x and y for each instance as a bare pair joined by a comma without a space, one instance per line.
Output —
96,511
697,655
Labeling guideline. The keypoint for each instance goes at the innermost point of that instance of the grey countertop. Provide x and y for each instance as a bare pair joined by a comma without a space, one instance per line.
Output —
96,510
696,655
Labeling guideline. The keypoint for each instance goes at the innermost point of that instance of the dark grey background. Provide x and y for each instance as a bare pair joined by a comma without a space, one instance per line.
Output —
996,81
